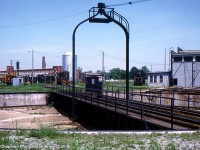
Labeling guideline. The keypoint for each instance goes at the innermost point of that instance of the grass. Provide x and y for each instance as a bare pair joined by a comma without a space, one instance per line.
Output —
64,140
37,87
120,86
115,86
45,132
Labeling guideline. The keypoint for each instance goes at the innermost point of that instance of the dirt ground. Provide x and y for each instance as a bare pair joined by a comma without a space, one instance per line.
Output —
35,118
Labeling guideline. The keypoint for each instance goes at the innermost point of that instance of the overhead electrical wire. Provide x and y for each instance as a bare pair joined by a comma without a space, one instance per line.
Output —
127,3
134,61
55,19
44,21
42,54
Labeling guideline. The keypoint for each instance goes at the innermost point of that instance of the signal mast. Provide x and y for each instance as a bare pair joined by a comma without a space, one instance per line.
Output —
109,16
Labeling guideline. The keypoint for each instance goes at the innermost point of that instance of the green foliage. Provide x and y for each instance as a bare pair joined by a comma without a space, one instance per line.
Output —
45,132
135,72
154,144
189,137
20,132
74,141
171,146
24,88
115,73
74,145
4,138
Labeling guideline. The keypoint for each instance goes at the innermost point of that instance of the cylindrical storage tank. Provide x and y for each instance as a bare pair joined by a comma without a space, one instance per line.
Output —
67,61
67,64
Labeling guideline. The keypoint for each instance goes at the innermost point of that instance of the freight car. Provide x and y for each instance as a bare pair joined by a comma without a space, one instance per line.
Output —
138,81
63,78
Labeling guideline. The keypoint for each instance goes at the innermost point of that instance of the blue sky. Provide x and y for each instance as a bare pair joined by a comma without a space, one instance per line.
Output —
46,26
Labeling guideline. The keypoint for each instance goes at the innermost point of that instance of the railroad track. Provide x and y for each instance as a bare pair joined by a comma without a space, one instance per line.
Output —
162,115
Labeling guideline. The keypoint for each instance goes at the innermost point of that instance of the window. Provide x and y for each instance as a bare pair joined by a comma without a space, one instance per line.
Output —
175,81
151,79
93,81
177,59
161,79
155,79
188,59
198,58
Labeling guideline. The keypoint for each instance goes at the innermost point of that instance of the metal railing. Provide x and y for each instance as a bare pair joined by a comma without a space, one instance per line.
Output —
144,105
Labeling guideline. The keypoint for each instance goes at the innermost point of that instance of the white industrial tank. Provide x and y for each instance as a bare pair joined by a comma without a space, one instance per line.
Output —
67,63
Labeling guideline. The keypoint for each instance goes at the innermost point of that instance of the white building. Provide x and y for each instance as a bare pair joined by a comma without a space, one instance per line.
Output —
17,81
158,79
185,66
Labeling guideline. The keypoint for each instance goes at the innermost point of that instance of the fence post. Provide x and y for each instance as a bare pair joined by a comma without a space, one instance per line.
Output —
141,96
81,93
115,101
99,96
76,92
86,96
188,101
91,96
112,90
118,91
69,90
172,107
106,98
160,97
124,92
127,104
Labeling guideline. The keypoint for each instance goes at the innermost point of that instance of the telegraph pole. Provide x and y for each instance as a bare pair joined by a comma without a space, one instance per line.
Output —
165,61
103,68
11,62
32,66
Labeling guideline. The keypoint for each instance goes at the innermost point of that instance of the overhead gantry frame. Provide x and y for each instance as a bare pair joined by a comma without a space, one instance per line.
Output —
109,16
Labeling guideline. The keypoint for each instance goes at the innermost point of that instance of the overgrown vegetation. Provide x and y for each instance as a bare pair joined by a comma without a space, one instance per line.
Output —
37,87
118,86
51,139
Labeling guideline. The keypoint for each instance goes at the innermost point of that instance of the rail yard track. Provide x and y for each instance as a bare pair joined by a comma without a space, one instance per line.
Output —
168,116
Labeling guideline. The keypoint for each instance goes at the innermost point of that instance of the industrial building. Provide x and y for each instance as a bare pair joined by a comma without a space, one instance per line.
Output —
51,72
185,68
157,79
184,72
6,76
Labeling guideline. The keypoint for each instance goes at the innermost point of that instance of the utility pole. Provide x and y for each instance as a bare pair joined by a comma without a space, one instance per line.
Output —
165,61
32,65
103,68
11,62
170,51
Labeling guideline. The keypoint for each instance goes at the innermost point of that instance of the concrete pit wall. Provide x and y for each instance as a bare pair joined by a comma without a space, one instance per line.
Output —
181,100
17,100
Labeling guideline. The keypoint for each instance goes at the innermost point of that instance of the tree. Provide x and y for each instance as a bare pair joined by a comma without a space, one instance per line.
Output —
115,73
133,72
123,74
145,71
108,75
